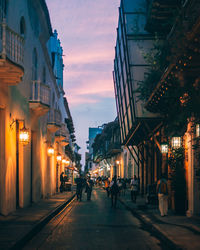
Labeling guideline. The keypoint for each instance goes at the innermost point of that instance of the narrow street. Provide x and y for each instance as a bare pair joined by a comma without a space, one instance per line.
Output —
94,225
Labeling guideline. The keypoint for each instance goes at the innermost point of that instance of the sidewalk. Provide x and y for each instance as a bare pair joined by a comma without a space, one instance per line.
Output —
181,230
24,222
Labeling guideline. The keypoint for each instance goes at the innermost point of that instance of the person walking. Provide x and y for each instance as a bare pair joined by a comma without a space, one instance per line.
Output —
134,188
89,185
162,190
62,182
79,187
114,189
107,186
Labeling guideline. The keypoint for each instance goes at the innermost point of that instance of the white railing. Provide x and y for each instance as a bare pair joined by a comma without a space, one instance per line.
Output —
40,93
54,117
12,44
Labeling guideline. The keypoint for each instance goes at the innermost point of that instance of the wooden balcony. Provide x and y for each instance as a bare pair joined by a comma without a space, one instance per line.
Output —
54,120
11,56
39,101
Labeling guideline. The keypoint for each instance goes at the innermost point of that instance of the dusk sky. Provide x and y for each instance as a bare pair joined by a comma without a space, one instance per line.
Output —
87,30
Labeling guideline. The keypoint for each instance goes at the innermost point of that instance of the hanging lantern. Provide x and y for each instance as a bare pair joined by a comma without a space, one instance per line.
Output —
198,130
24,135
50,151
164,148
176,142
59,158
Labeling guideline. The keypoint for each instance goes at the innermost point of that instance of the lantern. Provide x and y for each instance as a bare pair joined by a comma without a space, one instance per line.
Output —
50,151
59,158
198,130
176,142
164,148
24,135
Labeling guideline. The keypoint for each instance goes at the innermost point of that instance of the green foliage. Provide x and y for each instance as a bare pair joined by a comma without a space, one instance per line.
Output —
177,176
156,57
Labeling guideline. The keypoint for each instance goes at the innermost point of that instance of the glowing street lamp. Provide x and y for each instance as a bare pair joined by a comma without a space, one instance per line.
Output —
164,148
59,158
176,142
198,130
24,135
50,151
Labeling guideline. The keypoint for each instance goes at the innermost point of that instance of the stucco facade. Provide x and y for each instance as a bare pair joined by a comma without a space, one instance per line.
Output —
27,172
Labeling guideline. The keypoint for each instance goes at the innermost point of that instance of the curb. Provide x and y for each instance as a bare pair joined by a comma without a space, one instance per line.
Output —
148,224
38,227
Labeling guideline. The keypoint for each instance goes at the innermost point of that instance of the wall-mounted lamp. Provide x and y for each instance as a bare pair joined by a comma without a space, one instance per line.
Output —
117,162
24,135
59,158
176,142
164,148
50,150
197,130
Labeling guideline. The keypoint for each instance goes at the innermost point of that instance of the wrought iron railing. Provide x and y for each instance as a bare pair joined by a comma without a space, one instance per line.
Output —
40,93
11,44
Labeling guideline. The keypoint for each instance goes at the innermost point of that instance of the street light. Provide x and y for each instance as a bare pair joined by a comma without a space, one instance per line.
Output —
198,130
50,150
59,158
24,135
176,142
164,148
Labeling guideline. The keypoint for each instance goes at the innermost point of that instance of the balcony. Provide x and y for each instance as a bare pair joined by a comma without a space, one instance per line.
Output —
114,148
62,134
160,15
54,120
39,101
11,56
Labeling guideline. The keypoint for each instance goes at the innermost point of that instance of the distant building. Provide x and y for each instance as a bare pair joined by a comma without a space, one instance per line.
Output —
92,134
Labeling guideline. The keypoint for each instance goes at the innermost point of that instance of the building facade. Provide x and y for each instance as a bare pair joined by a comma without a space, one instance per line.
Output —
32,108
157,95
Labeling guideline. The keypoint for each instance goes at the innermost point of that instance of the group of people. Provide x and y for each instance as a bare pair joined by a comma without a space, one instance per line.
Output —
114,187
80,184
118,186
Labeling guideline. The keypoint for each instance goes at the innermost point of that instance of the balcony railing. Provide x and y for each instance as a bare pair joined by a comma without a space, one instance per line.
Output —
11,45
54,117
39,101
62,133
11,55
40,93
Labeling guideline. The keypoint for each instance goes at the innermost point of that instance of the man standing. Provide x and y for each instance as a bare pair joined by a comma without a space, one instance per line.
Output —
62,182
162,191
134,188
79,187
107,186
89,185
114,189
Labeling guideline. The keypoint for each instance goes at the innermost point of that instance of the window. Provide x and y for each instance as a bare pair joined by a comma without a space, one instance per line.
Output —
34,65
22,26
44,75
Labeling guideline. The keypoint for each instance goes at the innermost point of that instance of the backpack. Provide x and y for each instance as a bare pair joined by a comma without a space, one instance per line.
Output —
163,187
